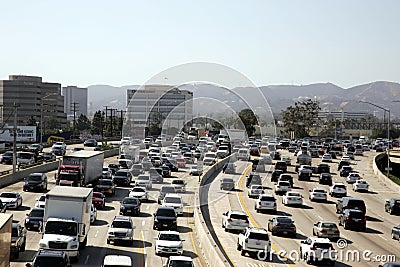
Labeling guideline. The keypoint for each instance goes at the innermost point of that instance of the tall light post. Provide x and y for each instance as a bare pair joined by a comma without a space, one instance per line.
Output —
388,132
41,115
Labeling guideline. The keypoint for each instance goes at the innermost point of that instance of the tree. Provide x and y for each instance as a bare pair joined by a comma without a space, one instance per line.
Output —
83,123
98,123
155,123
248,119
30,121
216,125
301,117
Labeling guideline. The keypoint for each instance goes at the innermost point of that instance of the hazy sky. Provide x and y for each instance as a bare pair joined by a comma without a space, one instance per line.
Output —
271,42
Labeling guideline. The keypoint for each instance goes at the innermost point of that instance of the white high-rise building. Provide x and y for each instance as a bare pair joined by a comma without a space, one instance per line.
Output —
75,96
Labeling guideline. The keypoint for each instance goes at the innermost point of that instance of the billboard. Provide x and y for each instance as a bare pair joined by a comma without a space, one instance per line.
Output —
24,134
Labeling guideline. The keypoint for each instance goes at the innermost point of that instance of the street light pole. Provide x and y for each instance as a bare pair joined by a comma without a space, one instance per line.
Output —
388,133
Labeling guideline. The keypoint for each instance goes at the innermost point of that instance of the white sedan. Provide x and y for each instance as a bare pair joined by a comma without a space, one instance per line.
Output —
255,191
13,200
360,185
292,198
318,194
353,177
140,192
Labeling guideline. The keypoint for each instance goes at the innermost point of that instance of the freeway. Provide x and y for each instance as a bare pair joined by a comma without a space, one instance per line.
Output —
142,251
376,239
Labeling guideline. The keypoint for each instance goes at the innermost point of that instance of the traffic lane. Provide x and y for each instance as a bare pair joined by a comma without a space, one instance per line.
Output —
358,239
221,202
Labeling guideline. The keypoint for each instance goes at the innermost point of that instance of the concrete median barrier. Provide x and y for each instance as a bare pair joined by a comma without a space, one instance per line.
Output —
383,178
205,235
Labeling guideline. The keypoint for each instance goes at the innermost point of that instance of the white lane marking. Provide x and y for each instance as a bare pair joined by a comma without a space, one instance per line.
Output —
97,232
87,259
320,217
148,207
143,222
384,238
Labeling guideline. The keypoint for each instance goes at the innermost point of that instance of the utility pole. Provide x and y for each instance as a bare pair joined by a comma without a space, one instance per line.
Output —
105,124
15,138
121,122
111,122
74,104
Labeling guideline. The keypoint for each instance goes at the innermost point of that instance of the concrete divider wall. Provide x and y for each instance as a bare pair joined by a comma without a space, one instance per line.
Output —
383,178
210,250
45,167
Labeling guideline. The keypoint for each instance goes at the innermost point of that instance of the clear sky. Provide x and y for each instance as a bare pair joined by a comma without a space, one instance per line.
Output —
272,42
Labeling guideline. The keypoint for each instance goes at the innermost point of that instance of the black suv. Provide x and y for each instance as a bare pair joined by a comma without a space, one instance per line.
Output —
36,182
323,168
392,205
130,205
34,219
350,203
165,218
353,219
253,179
282,225
281,165
51,258
275,175
325,178
344,172
286,177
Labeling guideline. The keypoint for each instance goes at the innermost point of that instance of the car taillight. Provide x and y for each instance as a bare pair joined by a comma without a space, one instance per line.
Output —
229,219
278,224
323,231
246,240
313,248
347,217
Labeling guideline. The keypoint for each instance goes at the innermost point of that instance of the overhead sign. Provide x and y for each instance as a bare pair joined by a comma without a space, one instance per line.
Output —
24,134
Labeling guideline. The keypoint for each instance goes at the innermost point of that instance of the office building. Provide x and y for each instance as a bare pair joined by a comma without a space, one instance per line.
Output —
35,99
172,106
75,98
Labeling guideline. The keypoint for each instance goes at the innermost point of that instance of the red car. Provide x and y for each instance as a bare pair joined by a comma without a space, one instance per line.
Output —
181,162
254,151
99,200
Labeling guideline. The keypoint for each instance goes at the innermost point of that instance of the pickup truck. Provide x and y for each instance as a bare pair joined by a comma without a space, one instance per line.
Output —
254,241
18,239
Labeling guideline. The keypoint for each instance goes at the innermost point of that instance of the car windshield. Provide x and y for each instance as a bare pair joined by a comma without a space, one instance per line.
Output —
23,155
179,263
8,195
144,178
166,213
49,261
34,178
14,232
357,215
169,237
98,195
238,216
36,213
105,182
174,200
284,220
328,225
259,236
130,201
267,198
319,191
340,186
121,173
61,228
42,198
178,182
227,180
168,189
121,224
138,189
8,154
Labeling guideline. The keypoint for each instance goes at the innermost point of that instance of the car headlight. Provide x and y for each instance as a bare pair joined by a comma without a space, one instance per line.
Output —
180,246
122,207
155,220
74,246
26,220
42,245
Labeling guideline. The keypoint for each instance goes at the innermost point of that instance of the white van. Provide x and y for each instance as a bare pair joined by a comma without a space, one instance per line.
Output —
243,154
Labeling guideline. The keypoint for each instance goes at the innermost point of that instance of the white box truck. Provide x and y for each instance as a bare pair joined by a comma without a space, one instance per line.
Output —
80,168
66,219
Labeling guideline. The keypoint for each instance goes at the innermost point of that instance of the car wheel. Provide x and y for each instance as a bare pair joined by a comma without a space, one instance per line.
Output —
344,225
390,211
313,232
239,247
243,252
23,246
393,236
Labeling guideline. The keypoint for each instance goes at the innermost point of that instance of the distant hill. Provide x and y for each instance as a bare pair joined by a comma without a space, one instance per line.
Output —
279,97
